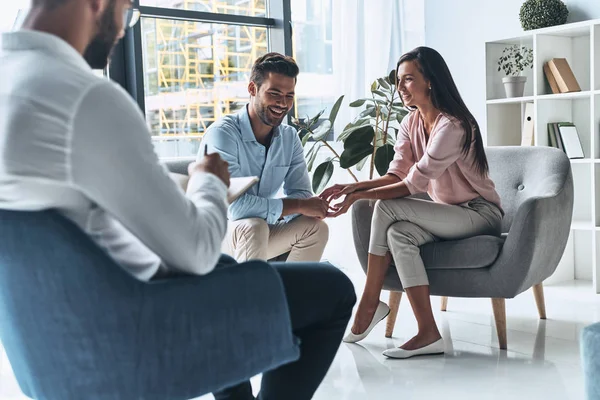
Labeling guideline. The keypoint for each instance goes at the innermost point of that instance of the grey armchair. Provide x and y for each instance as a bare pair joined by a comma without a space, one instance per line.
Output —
536,188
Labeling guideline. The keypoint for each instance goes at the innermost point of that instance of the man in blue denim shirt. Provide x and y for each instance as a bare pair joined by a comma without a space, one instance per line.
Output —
254,143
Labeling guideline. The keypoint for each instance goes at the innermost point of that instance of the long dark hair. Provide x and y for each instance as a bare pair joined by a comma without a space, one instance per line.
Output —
445,97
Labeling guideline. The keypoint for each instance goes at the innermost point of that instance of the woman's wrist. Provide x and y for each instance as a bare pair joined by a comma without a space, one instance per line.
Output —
359,195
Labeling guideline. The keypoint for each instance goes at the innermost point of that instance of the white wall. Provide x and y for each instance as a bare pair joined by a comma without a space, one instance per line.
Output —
458,29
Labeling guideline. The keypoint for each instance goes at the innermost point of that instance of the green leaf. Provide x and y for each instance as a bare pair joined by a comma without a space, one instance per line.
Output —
312,150
370,111
361,163
322,131
373,86
358,103
313,157
380,93
391,140
400,117
354,154
316,118
363,136
383,83
335,109
321,177
383,158
392,77
307,135
344,135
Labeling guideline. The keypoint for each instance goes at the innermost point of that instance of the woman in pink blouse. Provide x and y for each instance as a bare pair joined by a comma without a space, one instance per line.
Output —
439,151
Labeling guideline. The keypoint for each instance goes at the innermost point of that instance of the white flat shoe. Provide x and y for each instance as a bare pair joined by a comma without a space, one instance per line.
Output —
436,347
382,311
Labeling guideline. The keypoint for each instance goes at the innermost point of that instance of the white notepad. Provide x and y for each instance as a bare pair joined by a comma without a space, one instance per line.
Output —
239,186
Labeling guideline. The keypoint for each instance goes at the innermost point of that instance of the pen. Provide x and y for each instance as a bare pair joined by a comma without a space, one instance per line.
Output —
205,149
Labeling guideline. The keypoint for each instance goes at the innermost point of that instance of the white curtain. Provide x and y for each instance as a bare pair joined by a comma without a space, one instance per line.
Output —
367,41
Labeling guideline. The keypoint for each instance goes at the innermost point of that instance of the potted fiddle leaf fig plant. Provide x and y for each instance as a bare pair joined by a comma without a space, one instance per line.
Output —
513,61
369,138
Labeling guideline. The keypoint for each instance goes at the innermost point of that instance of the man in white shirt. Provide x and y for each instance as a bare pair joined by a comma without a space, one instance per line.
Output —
78,143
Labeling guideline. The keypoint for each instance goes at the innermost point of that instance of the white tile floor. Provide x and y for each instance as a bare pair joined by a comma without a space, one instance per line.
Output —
542,361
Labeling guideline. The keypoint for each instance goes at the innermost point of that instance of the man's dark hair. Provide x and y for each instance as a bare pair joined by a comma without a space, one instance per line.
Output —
276,63
47,4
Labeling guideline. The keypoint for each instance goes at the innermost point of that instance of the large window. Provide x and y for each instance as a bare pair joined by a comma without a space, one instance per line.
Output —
195,64
194,73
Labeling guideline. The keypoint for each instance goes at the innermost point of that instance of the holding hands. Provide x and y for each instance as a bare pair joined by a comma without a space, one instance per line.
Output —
348,191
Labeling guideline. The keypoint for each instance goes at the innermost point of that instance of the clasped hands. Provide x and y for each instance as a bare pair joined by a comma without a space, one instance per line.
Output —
335,192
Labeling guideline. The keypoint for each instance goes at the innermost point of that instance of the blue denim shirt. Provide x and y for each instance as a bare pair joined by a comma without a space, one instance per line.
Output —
283,164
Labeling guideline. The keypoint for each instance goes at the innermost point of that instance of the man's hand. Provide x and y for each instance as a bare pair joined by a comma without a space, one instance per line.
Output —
313,207
212,164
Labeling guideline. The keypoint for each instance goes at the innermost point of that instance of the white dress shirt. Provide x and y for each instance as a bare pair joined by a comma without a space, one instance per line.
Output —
78,143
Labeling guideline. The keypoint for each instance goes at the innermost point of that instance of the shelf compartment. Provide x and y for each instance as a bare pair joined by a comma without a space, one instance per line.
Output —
575,110
574,45
504,124
494,85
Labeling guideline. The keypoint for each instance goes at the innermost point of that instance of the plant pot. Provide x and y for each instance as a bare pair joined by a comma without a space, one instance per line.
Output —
514,86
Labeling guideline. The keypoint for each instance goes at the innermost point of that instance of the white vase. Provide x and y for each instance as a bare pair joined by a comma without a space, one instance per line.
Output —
514,86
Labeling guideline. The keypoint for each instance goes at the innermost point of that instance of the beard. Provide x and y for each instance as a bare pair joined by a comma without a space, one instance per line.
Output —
266,116
98,52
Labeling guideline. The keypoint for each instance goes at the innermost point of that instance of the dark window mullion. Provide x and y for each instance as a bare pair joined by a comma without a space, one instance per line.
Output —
200,16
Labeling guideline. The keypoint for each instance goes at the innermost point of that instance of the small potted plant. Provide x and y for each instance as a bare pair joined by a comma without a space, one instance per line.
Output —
513,62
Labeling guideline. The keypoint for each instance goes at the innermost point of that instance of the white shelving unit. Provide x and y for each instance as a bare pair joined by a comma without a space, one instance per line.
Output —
579,43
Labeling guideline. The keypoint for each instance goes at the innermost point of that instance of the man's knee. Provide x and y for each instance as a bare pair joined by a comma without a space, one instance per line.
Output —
313,229
343,286
252,229
321,231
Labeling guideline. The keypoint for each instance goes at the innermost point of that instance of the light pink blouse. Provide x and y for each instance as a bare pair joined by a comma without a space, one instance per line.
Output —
439,166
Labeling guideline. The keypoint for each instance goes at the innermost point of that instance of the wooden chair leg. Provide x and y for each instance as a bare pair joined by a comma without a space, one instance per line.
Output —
395,298
444,303
538,292
499,308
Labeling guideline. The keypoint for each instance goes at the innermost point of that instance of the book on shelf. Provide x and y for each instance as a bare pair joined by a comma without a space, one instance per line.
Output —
558,138
528,123
550,79
564,136
563,75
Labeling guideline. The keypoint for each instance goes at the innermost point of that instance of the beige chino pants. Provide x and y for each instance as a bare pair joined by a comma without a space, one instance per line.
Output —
253,239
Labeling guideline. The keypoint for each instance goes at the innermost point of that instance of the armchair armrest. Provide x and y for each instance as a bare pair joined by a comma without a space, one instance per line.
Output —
536,240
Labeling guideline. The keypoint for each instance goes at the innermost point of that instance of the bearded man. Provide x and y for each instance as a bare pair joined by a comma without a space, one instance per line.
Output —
254,142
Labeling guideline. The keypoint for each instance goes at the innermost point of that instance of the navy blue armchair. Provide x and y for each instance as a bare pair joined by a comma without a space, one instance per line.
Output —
75,325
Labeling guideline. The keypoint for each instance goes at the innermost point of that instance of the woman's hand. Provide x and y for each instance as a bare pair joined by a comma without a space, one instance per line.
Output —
343,207
337,191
